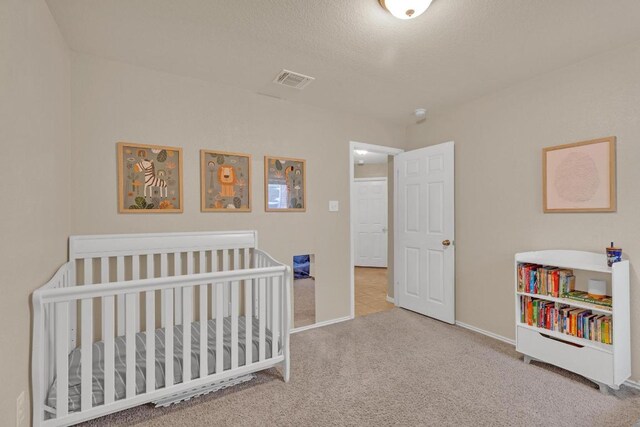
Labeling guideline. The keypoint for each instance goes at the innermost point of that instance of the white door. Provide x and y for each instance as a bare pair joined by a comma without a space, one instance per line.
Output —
424,231
371,222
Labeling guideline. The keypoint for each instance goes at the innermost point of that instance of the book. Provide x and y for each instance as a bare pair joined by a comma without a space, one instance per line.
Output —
584,297
577,322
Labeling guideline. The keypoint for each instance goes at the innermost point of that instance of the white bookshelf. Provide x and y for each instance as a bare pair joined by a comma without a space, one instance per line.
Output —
608,365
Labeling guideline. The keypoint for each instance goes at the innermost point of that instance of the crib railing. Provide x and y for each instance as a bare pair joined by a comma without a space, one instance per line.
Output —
261,290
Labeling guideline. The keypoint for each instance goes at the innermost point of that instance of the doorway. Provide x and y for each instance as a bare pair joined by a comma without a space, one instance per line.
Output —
420,273
372,228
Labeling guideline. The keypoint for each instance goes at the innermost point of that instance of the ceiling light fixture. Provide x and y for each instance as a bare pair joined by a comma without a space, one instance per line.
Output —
405,9
360,152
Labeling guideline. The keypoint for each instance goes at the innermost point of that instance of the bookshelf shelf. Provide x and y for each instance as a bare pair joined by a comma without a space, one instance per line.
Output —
609,365
568,301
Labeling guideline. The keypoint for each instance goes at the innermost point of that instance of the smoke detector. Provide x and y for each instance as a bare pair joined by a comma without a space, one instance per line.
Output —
293,79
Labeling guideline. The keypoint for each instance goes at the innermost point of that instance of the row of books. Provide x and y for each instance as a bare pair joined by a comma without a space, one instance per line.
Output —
578,322
538,279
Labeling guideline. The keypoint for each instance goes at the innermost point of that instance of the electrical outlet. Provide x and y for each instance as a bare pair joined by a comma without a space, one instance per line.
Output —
20,410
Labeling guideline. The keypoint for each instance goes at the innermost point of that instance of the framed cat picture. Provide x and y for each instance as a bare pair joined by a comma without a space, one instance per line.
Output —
149,178
285,184
225,181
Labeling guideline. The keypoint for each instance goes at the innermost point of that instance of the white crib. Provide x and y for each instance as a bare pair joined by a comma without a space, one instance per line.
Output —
120,293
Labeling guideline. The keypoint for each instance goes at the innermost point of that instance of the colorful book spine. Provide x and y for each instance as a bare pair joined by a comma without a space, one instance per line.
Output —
577,322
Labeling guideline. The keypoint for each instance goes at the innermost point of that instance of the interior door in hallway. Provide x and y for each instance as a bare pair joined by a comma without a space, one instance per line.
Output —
371,222
424,231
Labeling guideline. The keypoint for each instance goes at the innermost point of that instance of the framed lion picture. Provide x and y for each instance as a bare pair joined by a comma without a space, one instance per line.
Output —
285,184
149,178
225,181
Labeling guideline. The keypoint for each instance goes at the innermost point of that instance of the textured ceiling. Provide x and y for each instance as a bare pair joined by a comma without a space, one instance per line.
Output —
363,59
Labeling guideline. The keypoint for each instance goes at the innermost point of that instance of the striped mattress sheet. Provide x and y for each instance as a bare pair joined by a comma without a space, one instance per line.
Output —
120,360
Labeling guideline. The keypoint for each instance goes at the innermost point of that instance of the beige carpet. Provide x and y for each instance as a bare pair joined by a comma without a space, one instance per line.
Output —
400,368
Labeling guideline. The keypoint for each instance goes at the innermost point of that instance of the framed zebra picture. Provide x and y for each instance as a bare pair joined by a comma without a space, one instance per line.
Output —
225,181
285,184
149,178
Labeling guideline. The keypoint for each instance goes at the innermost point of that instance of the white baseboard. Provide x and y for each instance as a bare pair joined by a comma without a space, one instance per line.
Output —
632,384
391,300
628,383
321,324
487,333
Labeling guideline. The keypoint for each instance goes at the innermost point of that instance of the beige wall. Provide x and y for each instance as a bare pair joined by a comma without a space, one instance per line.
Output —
112,101
370,171
35,128
499,141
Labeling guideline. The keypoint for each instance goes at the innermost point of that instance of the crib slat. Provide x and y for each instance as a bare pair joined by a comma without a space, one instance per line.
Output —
164,265
164,272
104,270
135,275
190,263
62,360
227,285
262,317
225,260
204,339
214,260
135,267
168,337
214,268
150,321
202,262
120,300
269,288
275,313
150,267
204,316
130,338
219,328
235,311
177,271
88,271
108,330
248,321
86,374
187,309
234,325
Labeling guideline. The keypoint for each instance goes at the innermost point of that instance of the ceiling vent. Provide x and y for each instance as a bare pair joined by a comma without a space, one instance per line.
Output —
291,79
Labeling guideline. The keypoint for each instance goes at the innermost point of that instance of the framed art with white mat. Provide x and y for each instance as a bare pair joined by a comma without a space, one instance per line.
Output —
580,177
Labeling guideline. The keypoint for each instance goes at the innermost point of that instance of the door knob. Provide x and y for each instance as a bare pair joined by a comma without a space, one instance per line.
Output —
384,229
446,243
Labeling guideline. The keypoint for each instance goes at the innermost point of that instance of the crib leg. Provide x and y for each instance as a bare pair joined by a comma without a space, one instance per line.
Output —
287,370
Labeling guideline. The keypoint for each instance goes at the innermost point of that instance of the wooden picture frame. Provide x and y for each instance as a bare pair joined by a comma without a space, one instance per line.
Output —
285,175
225,181
580,177
135,164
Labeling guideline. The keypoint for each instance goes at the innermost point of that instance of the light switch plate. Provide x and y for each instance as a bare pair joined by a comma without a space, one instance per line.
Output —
334,206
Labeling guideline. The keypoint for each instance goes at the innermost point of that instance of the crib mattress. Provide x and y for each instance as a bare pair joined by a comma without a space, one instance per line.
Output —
120,358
